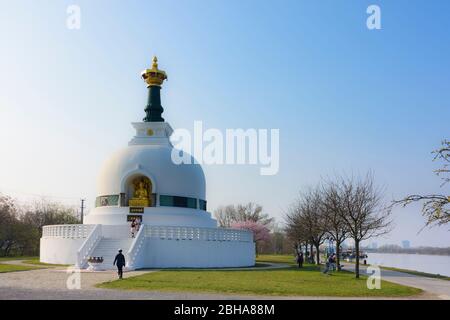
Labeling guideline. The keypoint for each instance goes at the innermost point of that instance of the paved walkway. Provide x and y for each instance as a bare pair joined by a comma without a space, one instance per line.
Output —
435,287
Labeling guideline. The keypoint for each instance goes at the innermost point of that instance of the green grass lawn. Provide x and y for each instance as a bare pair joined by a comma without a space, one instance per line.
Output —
25,259
290,281
18,258
276,258
38,263
12,268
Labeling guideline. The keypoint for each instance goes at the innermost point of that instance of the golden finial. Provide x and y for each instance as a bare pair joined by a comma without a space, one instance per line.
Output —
154,76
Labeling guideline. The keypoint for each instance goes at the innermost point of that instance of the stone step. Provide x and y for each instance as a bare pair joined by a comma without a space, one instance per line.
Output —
107,248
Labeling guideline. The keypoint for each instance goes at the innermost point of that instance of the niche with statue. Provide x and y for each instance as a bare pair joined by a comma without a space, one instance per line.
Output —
140,192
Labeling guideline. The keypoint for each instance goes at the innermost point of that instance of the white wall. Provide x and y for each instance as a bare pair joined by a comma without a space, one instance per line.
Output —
159,253
197,254
59,250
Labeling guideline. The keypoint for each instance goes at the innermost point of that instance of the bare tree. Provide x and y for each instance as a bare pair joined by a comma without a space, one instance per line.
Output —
436,207
305,220
8,212
44,212
225,215
21,226
334,210
443,153
364,213
249,212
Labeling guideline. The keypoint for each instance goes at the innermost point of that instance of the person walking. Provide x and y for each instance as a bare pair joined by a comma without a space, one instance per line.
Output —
300,260
119,261
328,265
333,262
138,224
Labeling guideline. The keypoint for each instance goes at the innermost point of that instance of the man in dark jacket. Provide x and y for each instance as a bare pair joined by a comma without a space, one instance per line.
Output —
120,262
300,260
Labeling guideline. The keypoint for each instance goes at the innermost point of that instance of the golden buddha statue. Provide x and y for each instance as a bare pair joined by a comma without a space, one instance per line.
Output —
141,193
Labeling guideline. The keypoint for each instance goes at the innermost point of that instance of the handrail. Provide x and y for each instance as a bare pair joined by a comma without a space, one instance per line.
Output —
88,246
135,247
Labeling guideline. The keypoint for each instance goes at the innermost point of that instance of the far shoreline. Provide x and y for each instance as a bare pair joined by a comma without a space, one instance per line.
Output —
410,253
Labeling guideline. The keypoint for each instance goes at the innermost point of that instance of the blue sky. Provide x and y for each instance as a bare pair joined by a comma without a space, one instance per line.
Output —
346,99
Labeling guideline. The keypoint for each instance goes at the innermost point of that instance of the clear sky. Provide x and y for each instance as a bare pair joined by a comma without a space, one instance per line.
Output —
345,98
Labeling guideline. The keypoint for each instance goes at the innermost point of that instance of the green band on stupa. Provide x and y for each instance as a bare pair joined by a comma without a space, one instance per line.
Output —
154,109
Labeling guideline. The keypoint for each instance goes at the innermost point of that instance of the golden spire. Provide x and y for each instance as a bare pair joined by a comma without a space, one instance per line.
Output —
155,63
154,76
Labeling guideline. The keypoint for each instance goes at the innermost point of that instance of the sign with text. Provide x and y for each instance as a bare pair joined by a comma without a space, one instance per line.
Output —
136,210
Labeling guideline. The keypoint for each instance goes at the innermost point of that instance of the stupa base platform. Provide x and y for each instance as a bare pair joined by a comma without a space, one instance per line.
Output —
153,246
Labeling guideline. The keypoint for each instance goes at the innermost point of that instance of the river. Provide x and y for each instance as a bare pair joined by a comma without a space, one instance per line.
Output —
418,262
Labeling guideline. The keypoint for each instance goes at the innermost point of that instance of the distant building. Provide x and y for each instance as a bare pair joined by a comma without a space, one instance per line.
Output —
406,244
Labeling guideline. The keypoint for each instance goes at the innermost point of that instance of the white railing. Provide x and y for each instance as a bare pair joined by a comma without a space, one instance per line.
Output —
192,233
88,246
69,231
135,248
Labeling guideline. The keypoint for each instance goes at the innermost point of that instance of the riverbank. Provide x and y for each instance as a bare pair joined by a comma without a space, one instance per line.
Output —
418,273
424,265
411,272
432,286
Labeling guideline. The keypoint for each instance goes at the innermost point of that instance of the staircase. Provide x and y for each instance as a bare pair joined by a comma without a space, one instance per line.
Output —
108,248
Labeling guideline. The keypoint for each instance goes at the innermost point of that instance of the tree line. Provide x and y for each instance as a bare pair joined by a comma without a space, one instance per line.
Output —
393,248
334,210
21,225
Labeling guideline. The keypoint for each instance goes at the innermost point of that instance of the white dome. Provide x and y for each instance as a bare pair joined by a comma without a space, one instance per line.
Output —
154,162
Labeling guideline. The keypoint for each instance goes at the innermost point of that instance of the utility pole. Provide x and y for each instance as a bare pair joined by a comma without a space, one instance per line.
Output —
82,209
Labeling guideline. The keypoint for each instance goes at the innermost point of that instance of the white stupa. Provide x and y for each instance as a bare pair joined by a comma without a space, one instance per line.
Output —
141,182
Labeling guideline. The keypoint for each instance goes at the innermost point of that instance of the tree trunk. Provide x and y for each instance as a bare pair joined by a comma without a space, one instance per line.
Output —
7,249
357,259
311,255
317,255
338,253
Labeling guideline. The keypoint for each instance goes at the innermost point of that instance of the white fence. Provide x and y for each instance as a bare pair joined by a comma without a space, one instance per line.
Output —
69,231
81,231
192,233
